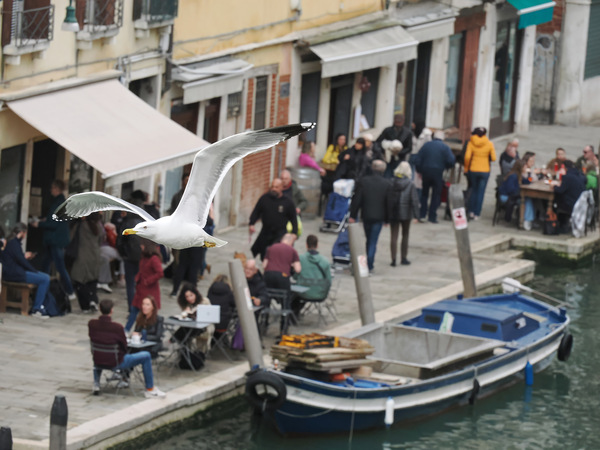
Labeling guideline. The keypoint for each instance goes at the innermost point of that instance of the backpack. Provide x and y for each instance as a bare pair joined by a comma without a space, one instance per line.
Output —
197,359
62,299
49,306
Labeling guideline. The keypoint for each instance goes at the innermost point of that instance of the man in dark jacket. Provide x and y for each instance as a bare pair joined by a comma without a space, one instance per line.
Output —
256,284
275,210
571,186
398,132
56,238
130,250
431,161
15,267
103,331
369,198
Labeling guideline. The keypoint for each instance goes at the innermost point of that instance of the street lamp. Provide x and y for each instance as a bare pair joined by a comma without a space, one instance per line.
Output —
70,23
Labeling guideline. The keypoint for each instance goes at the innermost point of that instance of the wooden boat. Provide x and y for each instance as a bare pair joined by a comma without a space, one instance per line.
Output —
452,353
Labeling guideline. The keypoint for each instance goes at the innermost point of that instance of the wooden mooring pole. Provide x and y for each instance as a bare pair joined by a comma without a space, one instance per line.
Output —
361,274
461,231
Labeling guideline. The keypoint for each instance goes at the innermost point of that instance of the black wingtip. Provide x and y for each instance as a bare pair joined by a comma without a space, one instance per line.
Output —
292,130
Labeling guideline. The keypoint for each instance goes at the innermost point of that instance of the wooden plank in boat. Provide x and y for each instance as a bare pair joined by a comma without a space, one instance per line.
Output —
338,365
338,351
322,358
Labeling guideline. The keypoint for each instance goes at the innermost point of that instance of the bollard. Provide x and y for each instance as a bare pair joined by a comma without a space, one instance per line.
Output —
461,231
361,274
243,303
6,438
58,423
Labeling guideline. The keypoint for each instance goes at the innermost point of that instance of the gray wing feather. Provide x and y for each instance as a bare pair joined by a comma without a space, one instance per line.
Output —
81,205
212,163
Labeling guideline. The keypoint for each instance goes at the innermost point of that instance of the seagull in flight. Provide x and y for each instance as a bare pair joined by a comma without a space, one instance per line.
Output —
184,228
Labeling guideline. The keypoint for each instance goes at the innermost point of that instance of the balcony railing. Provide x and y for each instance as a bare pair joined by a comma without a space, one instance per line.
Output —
30,29
154,13
99,18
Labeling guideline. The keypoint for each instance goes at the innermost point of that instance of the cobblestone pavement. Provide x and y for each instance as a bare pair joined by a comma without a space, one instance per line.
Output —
41,358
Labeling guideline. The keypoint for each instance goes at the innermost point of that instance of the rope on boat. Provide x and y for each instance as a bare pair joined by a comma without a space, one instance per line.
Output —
352,422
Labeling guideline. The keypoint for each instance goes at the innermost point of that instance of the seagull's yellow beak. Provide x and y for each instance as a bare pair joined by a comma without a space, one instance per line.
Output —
129,231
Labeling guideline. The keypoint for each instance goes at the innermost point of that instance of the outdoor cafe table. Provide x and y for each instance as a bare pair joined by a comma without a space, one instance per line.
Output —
541,189
173,324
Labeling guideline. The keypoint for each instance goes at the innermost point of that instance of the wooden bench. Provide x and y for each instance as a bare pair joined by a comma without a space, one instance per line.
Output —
22,303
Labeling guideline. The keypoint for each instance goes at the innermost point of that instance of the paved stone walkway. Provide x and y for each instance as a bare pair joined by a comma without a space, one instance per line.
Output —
41,358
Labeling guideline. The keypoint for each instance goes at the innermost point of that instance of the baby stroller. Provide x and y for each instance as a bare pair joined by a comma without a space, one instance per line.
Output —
337,210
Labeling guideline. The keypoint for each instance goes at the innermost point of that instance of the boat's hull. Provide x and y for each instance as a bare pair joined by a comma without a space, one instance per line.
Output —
314,407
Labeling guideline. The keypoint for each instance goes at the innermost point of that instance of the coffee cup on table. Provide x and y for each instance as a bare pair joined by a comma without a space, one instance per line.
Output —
136,338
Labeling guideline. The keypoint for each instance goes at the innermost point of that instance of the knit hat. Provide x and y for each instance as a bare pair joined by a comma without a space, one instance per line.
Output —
403,170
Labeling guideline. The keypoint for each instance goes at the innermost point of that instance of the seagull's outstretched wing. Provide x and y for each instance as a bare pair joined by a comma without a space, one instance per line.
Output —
212,163
81,205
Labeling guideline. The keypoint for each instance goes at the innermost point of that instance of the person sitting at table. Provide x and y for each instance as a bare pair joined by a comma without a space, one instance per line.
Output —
566,194
151,323
104,331
189,298
220,293
256,284
316,274
510,194
280,260
307,157
532,173
557,163
509,156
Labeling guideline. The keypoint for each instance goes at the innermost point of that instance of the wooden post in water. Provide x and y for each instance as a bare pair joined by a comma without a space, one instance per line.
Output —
243,303
361,274
461,231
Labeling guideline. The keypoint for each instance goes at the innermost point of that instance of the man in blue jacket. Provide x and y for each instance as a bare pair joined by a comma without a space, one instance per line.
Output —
431,161
15,267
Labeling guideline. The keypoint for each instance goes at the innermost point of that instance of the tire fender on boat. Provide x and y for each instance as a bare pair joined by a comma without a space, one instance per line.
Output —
474,391
270,396
565,346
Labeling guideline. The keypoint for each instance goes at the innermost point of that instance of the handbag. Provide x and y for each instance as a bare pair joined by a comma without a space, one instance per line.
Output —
551,223
238,339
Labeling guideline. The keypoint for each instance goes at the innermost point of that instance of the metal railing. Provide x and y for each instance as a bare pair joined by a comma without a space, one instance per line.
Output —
31,26
103,14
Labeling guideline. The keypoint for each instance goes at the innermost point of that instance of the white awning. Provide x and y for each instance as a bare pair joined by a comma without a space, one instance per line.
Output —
430,31
202,81
111,129
365,51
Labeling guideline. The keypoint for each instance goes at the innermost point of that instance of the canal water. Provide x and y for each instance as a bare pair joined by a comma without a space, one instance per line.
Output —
560,411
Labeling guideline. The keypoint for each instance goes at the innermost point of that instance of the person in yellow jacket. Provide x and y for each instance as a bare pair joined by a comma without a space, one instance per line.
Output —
331,161
480,152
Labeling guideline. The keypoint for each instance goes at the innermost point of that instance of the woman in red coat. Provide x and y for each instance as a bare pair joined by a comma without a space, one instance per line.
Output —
146,280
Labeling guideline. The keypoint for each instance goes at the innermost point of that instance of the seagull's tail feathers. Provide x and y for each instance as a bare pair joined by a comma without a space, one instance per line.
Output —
289,131
211,241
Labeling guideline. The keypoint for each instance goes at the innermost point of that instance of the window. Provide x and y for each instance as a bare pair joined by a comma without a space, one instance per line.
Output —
27,26
368,100
592,56
455,59
489,328
260,102
98,18
154,13
432,319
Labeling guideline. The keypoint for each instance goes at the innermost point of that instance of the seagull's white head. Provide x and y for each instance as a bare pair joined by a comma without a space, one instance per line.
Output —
148,230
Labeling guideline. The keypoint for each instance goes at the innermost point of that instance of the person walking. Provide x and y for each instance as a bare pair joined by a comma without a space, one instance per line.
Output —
431,161
146,280
86,267
369,199
480,152
402,205
275,210
56,238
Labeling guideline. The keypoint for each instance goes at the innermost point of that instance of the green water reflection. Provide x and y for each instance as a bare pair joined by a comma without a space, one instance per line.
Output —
561,410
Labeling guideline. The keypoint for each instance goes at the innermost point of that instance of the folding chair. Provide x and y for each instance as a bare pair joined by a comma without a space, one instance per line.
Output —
319,285
282,297
117,376
223,338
